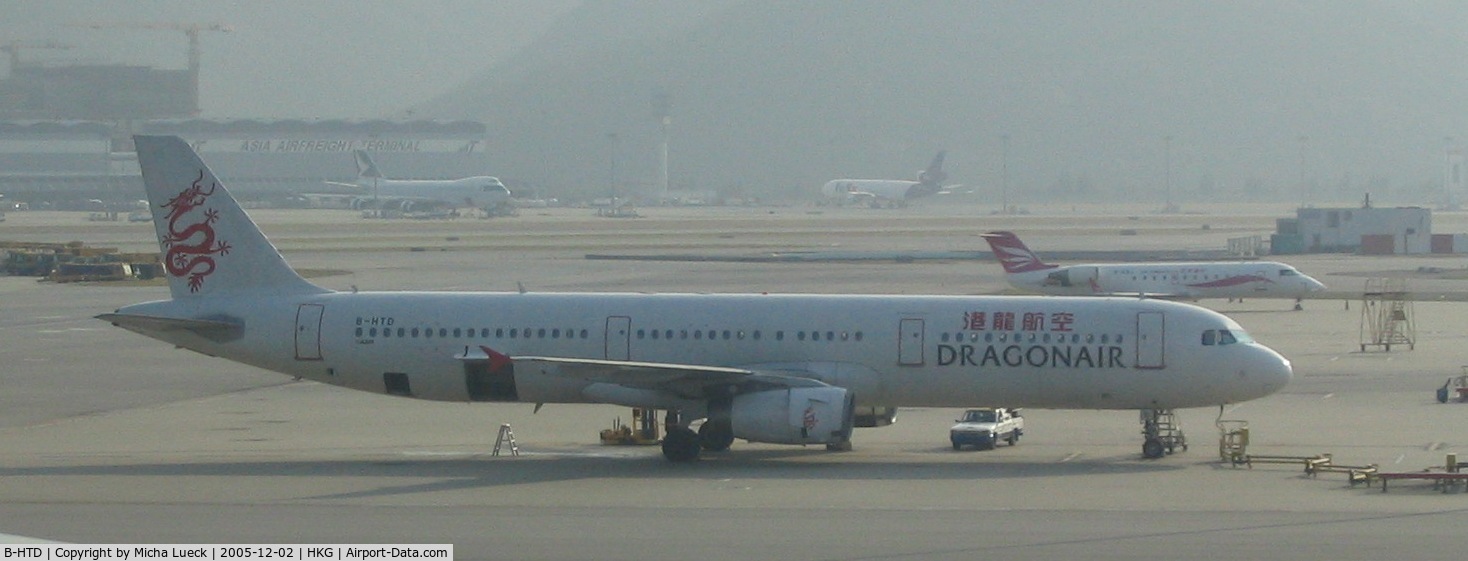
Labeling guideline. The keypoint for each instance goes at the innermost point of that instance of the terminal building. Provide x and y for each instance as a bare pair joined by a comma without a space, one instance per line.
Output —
260,160
1365,230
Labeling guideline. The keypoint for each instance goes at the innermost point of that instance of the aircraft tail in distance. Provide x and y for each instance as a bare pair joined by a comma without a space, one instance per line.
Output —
366,168
1013,254
209,244
934,174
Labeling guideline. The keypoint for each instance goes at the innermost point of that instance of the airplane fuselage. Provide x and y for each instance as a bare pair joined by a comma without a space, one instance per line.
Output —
875,191
1252,279
474,192
888,350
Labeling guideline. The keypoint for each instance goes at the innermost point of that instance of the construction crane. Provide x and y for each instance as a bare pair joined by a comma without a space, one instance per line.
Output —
15,47
192,30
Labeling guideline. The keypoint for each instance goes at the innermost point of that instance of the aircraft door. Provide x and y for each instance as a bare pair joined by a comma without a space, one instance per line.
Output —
308,331
1150,341
619,338
910,342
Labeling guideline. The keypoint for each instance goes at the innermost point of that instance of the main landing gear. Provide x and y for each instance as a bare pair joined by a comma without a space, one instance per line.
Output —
1161,432
682,444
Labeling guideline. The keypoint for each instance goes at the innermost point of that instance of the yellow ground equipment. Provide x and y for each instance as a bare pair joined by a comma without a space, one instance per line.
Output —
644,429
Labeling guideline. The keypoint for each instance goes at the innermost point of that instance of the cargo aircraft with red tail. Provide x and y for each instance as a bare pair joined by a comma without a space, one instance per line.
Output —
790,369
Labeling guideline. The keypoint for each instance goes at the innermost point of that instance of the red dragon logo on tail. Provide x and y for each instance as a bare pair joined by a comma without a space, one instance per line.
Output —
185,256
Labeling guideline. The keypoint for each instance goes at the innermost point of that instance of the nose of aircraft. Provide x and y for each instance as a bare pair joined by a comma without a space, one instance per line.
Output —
1314,285
1266,372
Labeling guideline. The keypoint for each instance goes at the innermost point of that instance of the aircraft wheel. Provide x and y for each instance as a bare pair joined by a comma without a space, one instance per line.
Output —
1152,448
681,445
956,445
843,446
716,436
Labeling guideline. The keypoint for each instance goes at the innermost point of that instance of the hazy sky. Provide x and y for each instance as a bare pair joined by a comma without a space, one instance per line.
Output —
293,59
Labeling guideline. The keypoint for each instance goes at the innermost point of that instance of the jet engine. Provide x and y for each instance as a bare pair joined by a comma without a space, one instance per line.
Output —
820,415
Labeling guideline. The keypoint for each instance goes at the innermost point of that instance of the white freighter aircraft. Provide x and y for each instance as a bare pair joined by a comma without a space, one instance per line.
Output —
789,369
888,193
482,192
1205,279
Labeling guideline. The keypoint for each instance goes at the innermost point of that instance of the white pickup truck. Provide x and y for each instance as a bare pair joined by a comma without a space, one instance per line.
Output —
984,428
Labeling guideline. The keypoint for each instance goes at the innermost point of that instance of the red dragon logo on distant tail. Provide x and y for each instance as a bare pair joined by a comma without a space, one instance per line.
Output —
190,246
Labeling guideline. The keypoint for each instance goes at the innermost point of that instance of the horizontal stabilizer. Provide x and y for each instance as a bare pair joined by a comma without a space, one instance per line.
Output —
216,330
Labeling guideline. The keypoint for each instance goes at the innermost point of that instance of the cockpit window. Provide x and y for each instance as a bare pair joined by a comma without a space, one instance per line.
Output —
1288,272
1225,337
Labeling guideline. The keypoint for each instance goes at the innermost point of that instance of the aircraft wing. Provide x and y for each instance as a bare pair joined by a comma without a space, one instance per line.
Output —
684,380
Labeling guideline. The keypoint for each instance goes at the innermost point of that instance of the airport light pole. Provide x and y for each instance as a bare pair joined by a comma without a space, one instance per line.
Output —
1304,141
1004,174
612,158
1167,180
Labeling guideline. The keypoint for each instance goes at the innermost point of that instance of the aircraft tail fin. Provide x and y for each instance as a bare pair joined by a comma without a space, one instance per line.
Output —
366,168
1013,255
209,244
934,174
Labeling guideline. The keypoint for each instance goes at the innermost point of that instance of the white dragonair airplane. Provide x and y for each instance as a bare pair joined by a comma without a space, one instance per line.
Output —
1213,279
788,369
887,193
375,190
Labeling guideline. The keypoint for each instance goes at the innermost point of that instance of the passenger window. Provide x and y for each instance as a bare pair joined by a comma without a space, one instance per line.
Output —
457,332
858,336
